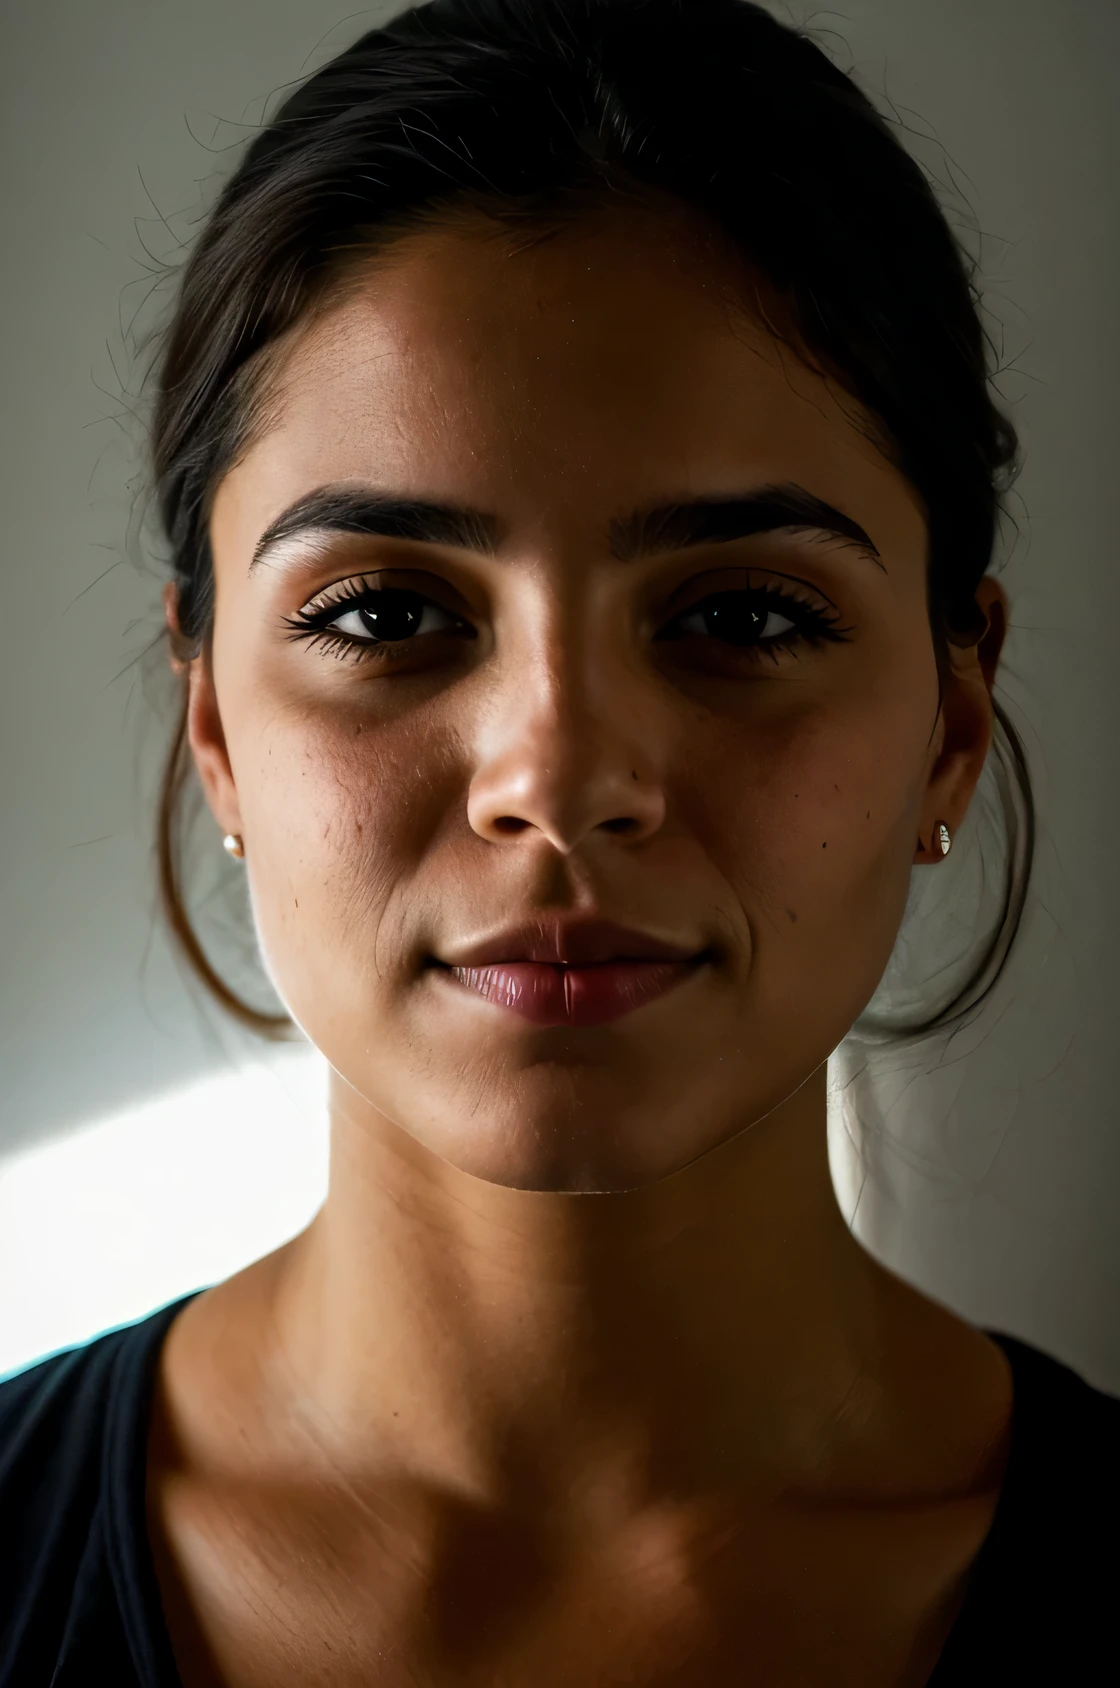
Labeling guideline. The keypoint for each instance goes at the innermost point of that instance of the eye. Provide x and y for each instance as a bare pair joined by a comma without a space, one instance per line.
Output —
737,617
755,621
363,619
391,615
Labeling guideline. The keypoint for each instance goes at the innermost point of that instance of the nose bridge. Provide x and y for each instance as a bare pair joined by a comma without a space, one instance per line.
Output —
563,681
563,749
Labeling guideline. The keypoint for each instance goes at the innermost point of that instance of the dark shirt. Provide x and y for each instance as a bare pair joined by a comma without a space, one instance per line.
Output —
80,1605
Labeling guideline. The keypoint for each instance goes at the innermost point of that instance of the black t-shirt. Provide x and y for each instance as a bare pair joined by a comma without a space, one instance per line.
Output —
80,1605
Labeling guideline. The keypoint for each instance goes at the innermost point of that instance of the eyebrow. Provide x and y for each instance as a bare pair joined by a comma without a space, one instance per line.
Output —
645,532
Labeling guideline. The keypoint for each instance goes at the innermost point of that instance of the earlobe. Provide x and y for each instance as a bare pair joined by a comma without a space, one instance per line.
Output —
941,842
967,716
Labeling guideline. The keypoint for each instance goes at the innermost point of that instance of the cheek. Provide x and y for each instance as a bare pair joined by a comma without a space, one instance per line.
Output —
815,832
339,818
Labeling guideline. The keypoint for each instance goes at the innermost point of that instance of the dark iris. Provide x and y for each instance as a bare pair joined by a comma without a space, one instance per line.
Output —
733,616
396,614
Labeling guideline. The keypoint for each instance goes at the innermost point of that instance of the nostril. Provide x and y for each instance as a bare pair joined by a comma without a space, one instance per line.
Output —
623,823
510,823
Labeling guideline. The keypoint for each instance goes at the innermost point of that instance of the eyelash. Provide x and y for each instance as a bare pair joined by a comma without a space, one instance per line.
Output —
812,625
312,623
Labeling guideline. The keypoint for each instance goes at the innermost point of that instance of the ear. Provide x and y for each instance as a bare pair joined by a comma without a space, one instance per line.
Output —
965,725
204,723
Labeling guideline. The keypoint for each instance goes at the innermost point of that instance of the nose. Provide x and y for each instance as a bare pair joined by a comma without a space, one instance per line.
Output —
554,761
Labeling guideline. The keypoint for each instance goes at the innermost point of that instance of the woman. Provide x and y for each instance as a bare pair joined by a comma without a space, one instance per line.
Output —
576,451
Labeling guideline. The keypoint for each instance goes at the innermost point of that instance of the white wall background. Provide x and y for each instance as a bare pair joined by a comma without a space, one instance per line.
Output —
147,1146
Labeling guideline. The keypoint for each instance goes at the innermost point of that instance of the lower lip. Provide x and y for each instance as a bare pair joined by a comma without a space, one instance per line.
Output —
550,995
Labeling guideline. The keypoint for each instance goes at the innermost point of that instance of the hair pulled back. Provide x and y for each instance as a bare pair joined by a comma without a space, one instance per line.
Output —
529,110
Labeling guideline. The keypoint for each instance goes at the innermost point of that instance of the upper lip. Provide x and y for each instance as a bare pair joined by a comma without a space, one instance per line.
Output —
575,942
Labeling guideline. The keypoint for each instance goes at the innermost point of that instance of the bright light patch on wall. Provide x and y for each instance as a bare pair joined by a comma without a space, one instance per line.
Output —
108,1224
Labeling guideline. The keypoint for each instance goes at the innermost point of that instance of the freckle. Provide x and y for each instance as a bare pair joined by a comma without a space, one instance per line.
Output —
791,914
836,788
635,773
824,846
869,814
297,902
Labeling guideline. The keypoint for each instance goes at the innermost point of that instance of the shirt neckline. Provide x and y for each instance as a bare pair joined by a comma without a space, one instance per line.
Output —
125,1498
132,1563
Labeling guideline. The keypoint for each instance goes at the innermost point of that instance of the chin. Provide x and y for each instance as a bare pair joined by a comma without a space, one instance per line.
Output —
585,1156
579,1111
537,1174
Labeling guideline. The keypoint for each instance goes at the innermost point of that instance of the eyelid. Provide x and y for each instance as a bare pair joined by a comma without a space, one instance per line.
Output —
341,593
743,576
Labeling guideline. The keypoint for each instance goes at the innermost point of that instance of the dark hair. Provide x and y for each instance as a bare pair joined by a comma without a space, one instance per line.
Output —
529,111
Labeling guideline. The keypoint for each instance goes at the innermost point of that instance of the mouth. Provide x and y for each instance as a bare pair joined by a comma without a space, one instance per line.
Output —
557,971
555,994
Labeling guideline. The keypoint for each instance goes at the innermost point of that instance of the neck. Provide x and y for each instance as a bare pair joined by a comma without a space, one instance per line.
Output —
721,1329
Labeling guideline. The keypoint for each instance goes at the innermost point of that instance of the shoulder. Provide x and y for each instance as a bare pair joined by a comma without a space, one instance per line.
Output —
52,1414
1062,1485
69,1390
71,1442
1064,1426
1041,1595
50,1419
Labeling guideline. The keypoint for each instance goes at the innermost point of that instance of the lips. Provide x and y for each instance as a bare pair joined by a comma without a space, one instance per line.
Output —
576,973
573,996
573,943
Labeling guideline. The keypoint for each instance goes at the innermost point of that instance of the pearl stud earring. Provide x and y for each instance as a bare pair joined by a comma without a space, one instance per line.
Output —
233,844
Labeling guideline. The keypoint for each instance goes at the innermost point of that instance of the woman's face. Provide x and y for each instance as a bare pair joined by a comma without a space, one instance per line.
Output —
730,744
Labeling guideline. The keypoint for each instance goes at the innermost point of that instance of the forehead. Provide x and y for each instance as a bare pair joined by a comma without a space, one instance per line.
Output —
609,361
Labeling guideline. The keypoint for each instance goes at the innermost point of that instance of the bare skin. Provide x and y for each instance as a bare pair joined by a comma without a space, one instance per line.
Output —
579,1374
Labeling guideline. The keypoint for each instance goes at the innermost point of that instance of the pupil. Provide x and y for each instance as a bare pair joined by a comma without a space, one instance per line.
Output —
731,616
396,618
